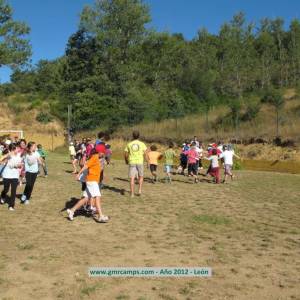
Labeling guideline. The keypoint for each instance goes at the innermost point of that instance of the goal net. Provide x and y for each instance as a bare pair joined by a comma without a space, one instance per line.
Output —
11,134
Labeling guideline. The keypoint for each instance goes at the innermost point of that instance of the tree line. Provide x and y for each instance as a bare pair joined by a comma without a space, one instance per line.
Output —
118,71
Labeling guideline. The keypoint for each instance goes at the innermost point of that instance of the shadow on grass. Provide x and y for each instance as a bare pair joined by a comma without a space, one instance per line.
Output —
69,172
114,189
80,212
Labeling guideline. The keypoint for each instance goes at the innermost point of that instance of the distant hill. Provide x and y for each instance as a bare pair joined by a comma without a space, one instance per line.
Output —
35,120
262,126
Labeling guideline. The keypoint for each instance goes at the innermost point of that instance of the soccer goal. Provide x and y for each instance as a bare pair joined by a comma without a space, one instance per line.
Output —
12,134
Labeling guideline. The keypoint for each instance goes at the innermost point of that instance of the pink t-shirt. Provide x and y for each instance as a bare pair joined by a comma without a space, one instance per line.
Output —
89,148
193,156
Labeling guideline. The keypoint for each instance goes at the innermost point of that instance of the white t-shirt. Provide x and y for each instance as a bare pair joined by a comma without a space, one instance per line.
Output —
199,151
214,161
11,171
196,142
72,150
32,162
220,147
227,155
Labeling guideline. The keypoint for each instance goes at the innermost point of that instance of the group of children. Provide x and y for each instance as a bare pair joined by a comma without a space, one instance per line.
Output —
20,163
191,156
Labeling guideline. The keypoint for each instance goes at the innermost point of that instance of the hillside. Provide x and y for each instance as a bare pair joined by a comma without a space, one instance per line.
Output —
22,116
262,127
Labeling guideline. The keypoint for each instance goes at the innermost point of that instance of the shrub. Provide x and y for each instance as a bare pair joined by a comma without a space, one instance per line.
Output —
35,103
44,117
14,106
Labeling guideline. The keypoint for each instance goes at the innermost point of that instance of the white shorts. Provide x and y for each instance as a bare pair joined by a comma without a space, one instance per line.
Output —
92,190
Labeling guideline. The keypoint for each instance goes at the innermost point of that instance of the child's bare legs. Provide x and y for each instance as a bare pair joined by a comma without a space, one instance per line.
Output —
154,175
74,163
195,177
98,206
79,204
92,202
169,176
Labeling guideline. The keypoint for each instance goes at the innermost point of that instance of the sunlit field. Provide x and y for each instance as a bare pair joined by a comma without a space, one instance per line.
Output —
247,231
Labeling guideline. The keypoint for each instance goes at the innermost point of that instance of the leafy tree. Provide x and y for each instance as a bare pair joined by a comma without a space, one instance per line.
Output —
14,47
294,50
275,98
266,50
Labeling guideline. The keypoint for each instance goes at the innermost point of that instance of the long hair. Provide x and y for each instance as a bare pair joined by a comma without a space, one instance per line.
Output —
29,146
93,152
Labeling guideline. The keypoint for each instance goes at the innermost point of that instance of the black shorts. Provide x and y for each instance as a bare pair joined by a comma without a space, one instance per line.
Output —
193,168
153,168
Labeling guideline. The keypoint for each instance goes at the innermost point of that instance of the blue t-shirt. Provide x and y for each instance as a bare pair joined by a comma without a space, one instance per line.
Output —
32,162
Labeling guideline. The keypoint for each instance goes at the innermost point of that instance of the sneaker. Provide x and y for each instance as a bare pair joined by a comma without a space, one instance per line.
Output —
103,219
26,202
23,198
2,201
11,208
70,214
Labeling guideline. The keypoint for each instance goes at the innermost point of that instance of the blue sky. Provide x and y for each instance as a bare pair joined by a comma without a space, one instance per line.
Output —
53,21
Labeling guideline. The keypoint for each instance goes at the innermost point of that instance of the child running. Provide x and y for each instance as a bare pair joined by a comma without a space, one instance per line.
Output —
193,159
153,157
169,161
227,156
214,169
73,158
32,160
43,155
10,174
92,190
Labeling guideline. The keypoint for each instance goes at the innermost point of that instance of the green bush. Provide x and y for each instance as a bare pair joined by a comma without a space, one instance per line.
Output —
35,103
14,106
44,117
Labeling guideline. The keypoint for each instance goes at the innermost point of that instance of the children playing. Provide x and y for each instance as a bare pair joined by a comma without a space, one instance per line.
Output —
153,156
227,156
92,191
169,161
43,156
193,162
214,169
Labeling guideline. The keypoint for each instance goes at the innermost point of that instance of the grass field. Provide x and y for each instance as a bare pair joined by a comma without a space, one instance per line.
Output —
247,231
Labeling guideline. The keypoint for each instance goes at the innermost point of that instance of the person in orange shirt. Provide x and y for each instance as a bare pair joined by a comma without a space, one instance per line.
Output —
153,157
92,191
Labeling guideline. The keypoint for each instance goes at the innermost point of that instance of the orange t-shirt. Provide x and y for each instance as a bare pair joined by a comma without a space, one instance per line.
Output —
153,157
94,168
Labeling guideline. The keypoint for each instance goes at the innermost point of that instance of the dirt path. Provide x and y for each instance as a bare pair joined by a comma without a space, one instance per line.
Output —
248,232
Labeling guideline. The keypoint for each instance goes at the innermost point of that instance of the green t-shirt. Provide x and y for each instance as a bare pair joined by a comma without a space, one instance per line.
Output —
136,150
169,157
42,153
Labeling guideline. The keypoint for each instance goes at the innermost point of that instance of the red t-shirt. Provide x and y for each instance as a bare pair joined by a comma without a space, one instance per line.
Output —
218,151
100,148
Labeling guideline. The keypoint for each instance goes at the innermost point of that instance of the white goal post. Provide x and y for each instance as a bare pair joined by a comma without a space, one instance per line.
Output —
10,132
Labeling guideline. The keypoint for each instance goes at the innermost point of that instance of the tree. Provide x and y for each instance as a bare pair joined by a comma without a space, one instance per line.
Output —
236,57
294,50
235,106
275,98
14,47
266,50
